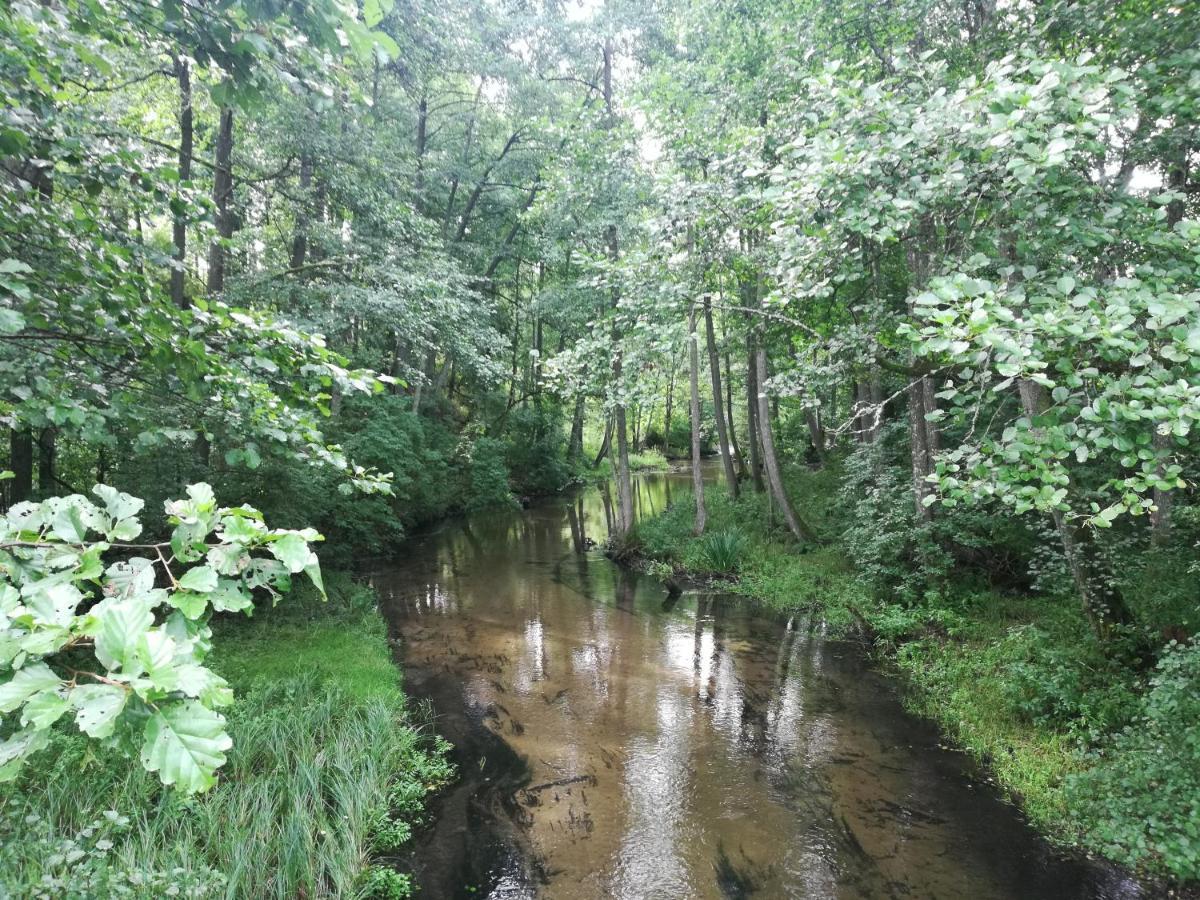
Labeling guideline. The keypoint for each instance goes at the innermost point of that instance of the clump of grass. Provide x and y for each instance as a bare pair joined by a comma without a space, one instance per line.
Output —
326,772
722,550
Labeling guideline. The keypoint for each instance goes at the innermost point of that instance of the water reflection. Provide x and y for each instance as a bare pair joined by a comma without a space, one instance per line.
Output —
637,745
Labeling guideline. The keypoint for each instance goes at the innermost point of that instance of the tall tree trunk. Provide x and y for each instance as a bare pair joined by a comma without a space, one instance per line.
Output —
694,383
303,213
575,445
605,442
770,462
738,457
920,453
816,432
714,365
670,409
183,76
20,460
756,468
222,195
1095,584
47,455
624,482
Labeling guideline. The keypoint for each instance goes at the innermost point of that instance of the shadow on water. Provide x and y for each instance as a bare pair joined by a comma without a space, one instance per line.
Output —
618,740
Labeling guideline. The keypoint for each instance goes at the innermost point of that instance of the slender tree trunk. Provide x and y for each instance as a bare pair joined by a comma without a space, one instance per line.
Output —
816,432
670,410
575,446
624,482
920,453
1095,584
47,454
733,440
303,214
770,462
222,194
714,365
20,460
426,375
756,468
694,383
605,442
183,76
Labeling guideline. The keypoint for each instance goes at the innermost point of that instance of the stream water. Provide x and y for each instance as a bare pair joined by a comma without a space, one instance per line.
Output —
615,742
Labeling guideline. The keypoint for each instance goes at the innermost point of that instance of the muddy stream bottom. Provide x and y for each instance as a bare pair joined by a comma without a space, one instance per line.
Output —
615,742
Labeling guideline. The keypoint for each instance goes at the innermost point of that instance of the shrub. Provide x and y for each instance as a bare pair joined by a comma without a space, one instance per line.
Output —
721,551
536,447
487,475
1142,792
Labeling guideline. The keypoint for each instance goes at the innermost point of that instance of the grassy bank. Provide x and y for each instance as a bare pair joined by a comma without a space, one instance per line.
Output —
326,777
1101,750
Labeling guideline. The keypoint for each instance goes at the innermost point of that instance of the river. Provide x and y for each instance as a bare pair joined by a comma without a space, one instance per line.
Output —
615,742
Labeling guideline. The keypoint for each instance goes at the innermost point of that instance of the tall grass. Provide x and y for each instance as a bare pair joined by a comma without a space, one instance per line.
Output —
311,790
722,550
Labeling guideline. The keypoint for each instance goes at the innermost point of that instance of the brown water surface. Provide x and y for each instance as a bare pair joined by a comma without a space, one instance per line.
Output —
615,742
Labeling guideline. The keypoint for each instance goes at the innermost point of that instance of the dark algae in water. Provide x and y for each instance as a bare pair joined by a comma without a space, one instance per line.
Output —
618,742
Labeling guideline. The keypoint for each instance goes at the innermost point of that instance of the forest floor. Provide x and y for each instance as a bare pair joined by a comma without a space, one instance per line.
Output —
327,775
1011,677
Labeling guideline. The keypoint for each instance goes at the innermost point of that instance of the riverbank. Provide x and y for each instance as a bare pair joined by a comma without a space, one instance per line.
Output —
1011,677
325,780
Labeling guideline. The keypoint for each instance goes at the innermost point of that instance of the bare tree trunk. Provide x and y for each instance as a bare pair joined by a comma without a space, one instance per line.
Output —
47,454
816,432
694,382
575,446
714,365
919,451
756,468
303,214
426,375
738,458
670,410
20,460
605,443
1095,584
179,227
770,462
624,482
222,194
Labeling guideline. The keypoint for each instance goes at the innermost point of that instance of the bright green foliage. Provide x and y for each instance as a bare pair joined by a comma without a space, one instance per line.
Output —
1143,785
143,686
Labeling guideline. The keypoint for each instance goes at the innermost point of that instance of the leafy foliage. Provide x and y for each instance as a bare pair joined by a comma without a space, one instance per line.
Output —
143,685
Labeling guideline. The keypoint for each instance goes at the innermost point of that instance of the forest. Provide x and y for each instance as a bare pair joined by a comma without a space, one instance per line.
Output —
905,292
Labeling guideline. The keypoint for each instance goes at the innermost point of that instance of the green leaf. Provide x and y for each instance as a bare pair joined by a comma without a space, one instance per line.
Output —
291,550
44,709
185,744
121,625
97,708
201,579
190,603
25,683
15,750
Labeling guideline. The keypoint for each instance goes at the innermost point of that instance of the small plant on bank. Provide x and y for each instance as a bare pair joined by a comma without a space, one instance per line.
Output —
722,551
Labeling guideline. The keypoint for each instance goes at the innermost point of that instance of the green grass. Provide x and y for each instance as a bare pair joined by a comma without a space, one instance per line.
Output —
640,461
1016,680
326,774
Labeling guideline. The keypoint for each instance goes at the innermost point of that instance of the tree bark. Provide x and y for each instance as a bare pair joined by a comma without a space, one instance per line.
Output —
816,432
303,213
1095,584
738,458
756,468
20,460
183,76
670,409
47,455
605,443
714,365
222,195
575,446
694,382
770,461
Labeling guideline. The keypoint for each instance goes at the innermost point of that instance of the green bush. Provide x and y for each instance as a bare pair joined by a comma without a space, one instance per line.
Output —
1141,793
721,551
536,447
487,475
